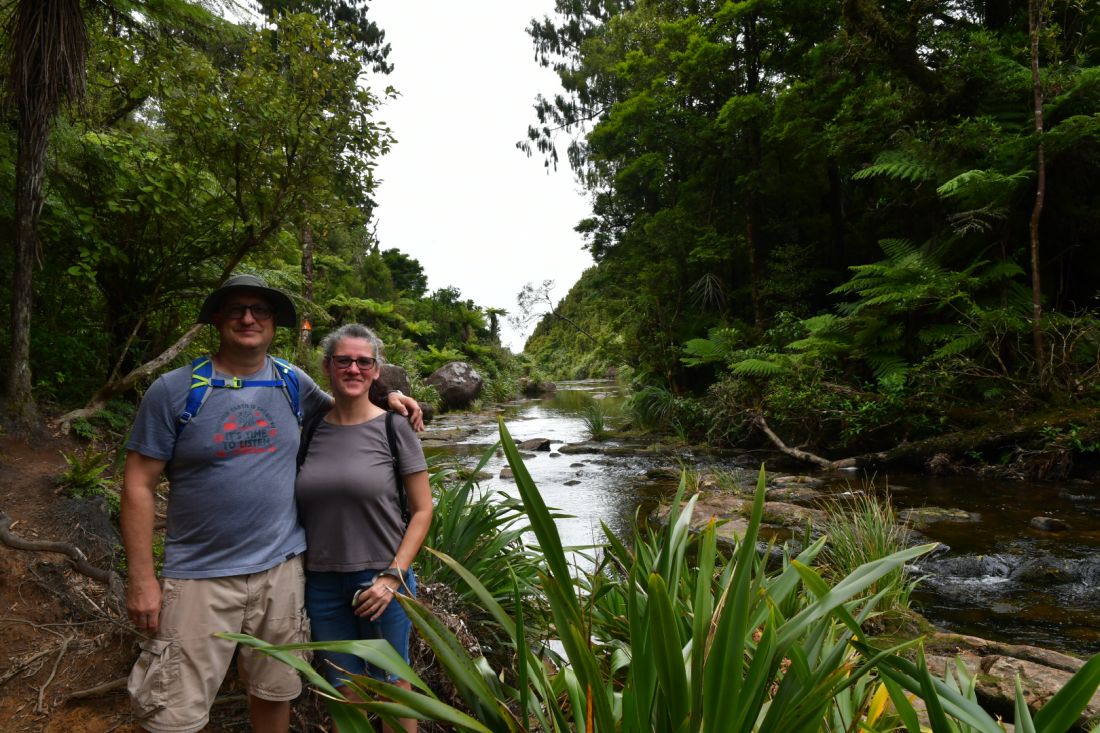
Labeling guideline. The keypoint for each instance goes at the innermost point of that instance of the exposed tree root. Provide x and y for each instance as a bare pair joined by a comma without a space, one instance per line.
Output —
40,707
109,578
101,689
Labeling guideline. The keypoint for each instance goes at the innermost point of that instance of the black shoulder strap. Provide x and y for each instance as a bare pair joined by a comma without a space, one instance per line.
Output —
309,427
402,497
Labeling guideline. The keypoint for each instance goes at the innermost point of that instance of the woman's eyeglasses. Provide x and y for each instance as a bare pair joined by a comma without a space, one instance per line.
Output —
363,362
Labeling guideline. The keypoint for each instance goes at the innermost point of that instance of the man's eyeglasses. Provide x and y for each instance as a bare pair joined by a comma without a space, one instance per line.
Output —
259,311
363,362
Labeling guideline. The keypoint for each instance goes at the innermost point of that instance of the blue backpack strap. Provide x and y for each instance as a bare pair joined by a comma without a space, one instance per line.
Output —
202,381
290,383
202,372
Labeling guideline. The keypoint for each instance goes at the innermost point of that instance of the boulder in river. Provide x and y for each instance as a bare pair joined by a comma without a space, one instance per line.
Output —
1048,524
395,377
535,444
995,666
457,383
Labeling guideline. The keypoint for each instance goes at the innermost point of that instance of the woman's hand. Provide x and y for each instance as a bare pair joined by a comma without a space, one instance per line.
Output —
373,601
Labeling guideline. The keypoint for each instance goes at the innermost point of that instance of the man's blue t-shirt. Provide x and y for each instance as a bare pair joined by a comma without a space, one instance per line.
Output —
231,508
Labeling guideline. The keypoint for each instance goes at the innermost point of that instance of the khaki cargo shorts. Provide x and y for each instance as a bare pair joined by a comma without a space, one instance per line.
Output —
175,680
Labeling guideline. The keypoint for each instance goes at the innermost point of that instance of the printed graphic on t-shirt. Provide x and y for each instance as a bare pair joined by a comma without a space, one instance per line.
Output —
246,428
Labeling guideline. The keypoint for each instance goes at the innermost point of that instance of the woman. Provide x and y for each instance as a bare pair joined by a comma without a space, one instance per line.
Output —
358,542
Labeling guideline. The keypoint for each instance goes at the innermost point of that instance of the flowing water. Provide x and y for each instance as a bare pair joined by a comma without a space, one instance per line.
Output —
996,576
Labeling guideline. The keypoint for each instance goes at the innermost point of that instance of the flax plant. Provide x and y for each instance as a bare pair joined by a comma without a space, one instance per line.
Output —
674,636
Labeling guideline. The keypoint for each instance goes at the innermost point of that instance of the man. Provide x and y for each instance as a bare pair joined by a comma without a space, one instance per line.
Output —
232,556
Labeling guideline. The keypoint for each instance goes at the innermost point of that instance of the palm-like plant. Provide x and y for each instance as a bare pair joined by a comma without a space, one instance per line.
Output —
47,45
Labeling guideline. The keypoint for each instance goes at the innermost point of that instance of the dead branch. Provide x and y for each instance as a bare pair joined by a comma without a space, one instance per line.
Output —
801,455
116,387
110,578
101,689
18,667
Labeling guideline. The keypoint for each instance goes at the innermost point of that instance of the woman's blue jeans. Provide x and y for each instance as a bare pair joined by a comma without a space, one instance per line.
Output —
332,618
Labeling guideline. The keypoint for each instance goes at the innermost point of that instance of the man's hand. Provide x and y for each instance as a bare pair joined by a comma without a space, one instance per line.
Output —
143,603
405,405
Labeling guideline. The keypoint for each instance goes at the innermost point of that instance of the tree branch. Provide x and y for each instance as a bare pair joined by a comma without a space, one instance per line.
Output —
119,386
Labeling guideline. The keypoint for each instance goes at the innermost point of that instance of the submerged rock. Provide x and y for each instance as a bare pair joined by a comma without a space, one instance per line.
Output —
921,516
1048,524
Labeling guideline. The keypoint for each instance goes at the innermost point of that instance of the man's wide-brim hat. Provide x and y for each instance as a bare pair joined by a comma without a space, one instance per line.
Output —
285,314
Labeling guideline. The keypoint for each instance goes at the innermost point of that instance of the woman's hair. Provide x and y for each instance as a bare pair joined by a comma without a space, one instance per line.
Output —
378,389
352,331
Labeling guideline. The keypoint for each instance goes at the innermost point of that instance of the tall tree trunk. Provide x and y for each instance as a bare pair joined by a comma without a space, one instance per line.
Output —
1034,26
29,167
304,334
48,48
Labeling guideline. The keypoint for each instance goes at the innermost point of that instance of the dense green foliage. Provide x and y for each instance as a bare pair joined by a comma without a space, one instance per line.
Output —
820,211
676,634
203,147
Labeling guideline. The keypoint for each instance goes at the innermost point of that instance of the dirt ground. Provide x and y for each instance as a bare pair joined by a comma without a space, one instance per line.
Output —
61,640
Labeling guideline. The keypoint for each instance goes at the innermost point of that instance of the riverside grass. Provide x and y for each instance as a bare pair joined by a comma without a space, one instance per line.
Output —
674,637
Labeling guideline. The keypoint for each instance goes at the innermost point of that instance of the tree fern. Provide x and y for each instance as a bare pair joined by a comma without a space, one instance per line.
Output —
897,168
959,345
979,188
718,347
888,366
755,367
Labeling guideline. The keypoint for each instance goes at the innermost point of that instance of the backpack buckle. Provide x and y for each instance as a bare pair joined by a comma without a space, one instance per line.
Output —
234,383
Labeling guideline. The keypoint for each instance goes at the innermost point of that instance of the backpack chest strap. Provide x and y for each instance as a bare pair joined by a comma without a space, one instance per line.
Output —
238,383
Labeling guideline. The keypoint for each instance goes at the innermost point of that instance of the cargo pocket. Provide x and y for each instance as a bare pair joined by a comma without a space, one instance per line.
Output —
155,677
305,634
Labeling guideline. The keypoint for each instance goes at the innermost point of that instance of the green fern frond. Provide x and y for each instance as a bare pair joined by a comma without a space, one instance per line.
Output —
718,347
756,368
997,271
698,352
895,248
824,323
888,366
369,305
983,187
959,345
897,169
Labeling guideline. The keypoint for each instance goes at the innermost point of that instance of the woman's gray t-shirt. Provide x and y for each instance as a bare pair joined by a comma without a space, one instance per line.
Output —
347,494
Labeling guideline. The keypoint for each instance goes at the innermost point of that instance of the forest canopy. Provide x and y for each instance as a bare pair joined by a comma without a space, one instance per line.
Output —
882,212
149,150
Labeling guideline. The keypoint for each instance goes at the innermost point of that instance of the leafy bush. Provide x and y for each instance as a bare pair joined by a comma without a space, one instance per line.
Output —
674,635
84,478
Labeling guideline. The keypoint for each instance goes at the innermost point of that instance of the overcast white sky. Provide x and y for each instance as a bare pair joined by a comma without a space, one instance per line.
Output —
456,194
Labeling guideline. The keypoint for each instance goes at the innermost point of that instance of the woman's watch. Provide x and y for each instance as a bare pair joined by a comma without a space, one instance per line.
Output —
393,572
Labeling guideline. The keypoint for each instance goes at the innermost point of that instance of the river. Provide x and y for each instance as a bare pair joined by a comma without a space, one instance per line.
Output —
996,577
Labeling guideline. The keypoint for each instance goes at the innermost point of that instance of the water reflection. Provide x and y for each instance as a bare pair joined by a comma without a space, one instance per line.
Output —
590,487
